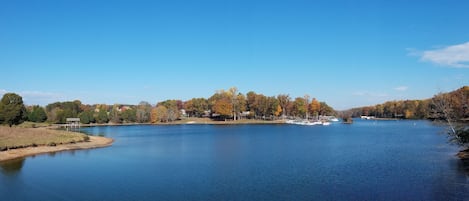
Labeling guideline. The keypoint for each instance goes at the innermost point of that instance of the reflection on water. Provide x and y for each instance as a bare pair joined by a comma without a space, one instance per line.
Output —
463,166
12,167
99,131
52,154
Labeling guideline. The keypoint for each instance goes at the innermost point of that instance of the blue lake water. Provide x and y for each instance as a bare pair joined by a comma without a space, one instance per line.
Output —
368,160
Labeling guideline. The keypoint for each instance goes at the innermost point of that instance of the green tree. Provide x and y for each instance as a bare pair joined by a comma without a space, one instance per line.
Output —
129,115
58,112
37,114
102,117
63,114
12,110
87,117
299,107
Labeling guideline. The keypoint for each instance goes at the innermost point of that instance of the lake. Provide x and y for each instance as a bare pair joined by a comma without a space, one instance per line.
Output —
368,160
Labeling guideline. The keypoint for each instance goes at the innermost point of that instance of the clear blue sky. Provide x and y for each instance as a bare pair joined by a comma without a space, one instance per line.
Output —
347,53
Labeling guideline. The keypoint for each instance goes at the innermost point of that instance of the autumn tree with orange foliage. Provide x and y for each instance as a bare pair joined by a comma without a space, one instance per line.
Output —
278,111
159,114
196,107
315,107
223,107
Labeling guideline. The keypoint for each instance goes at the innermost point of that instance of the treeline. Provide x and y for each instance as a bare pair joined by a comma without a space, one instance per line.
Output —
222,105
456,103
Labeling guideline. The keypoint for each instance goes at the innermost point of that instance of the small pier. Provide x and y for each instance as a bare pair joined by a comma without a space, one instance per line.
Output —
73,124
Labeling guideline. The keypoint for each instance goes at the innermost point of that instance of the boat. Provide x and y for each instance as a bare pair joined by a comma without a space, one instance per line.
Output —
367,117
312,123
306,122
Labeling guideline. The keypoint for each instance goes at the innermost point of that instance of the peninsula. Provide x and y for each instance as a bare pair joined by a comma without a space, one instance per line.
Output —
21,142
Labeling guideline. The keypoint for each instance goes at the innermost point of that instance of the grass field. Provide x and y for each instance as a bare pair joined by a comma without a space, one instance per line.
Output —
28,124
17,137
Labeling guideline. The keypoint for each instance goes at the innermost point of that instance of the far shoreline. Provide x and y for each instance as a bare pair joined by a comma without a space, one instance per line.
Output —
194,121
207,121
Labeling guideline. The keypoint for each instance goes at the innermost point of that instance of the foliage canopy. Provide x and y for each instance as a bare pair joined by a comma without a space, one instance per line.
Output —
12,109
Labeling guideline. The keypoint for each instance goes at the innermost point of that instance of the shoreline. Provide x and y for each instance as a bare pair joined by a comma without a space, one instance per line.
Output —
463,155
192,122
95,142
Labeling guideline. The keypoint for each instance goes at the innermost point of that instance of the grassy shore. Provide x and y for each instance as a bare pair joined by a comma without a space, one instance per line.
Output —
18,142
12,138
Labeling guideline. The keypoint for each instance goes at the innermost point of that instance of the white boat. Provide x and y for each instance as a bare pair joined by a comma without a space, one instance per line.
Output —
334,119
367,117
315,123
304,122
